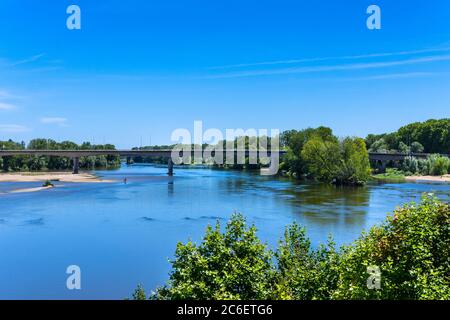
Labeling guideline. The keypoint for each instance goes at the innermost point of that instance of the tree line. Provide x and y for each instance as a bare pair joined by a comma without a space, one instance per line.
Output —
431,136
37,163
316,153
312,153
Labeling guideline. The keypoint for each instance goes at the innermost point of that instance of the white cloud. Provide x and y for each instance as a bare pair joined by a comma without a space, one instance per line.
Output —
13,128
54,120
6,106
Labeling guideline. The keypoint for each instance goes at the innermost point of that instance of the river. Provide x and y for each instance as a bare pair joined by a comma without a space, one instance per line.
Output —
123,234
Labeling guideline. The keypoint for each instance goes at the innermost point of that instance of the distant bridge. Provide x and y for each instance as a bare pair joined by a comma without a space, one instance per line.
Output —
381,158
76,154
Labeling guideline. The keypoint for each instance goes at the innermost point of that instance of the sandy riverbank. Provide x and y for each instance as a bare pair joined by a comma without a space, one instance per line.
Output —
55,176
444,178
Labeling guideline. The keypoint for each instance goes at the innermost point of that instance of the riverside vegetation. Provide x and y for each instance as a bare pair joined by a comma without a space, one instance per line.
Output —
312,153
316,153
411,249
39,163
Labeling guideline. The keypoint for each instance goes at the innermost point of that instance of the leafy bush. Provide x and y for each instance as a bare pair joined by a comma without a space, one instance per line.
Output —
410,165
440,166
304,273
411,249
232,265
424,166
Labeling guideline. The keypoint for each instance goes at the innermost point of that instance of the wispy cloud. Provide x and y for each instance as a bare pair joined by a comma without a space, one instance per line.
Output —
13,128
319,59
6,106
4,94
54,120
330,68
405,75
28,60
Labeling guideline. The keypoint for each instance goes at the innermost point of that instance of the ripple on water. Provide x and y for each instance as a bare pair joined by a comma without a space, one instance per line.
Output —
34,222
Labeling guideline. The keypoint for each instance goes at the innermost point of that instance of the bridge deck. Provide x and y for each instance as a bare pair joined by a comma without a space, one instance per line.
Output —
86,153
167,153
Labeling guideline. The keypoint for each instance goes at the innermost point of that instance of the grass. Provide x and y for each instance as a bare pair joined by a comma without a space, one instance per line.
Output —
391,174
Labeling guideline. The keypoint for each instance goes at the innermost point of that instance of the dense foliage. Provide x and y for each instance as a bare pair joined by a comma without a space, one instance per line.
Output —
340,162
435,165
294,141
411,249
432,136
317,153
232,265
36,163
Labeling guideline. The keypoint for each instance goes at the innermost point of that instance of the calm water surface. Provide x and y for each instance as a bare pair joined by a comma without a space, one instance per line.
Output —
123,234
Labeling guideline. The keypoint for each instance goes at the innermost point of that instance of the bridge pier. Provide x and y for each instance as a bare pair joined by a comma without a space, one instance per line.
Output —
170,167
383,166
129,160
76,165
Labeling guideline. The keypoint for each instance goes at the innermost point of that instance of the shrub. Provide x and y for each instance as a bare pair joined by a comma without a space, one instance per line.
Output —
424,166
410,164
47,183
230,265
304,273
440,166
411,249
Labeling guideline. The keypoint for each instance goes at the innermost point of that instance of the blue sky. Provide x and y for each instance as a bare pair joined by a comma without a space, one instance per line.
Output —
137,70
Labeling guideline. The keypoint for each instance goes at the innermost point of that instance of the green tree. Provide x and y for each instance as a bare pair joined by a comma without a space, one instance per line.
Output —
139,293
440,166
379,146
340,162
403,148
411,249
230,265
304,273
433,134
294,142
417,147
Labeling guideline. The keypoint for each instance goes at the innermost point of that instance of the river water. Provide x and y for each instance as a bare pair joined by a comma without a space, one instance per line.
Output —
123,234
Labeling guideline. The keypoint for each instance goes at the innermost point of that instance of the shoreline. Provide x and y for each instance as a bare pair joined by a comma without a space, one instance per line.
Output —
444,178
44,176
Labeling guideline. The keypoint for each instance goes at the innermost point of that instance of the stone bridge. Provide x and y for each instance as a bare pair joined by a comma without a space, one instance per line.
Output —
381,159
